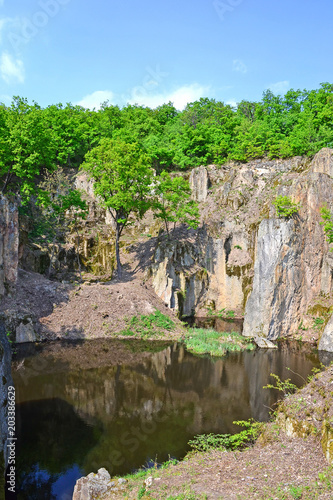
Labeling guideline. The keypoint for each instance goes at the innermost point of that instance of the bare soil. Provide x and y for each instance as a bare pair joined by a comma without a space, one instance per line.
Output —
96,308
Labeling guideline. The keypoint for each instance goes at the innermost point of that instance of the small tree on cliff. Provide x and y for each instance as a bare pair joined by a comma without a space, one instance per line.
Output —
122,178
327,222
173,202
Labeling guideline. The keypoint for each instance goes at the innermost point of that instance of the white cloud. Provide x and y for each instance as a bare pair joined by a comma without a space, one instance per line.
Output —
180,96
238,65
232,103
11,70
279,87
95,99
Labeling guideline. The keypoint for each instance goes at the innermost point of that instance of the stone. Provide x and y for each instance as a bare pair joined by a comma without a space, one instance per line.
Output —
9,245
326,340
21,325
262,319
323,162
94,486
199,183
292,263
264,343
25,333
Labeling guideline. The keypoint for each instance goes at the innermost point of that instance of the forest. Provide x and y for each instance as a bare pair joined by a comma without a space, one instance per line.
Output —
35,140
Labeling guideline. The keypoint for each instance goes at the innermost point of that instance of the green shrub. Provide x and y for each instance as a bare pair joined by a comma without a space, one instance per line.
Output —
285,207
207,442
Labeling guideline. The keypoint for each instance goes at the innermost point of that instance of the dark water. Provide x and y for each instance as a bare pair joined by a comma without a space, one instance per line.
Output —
123,405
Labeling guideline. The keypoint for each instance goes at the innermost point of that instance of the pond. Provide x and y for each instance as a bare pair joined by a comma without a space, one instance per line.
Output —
127,404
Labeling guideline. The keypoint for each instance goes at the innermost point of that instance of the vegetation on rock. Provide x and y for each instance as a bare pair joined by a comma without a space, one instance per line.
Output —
285,207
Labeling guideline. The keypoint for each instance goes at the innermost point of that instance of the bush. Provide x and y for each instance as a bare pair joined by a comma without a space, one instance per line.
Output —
285,207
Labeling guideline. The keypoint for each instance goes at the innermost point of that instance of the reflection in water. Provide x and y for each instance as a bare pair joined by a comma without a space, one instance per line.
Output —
115,405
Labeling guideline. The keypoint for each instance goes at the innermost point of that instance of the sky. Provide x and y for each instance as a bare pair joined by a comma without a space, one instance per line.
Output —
151,52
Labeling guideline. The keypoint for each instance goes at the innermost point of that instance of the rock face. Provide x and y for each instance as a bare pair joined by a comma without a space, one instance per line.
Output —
199,183
323,162
8,245
5,382
178,278
266,312
288,273
245,259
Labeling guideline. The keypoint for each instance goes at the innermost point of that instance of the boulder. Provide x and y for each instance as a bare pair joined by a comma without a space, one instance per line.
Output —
326,340
323,162
97,486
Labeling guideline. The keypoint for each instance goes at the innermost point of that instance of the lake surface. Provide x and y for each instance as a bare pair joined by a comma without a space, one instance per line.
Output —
127,404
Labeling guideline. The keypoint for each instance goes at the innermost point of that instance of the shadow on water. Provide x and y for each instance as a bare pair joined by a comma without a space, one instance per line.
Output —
121,405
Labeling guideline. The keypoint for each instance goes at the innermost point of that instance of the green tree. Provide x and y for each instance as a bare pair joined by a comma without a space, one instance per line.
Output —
122,177
32,148
173,202
285,207
62,209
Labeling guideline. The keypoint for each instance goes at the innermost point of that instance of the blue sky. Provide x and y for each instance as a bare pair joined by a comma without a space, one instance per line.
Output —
150,52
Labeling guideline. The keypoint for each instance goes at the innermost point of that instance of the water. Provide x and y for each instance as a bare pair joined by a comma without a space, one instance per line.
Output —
126,404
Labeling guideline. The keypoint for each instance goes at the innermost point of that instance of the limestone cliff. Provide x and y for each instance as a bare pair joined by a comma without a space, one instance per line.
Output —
274,271
8,245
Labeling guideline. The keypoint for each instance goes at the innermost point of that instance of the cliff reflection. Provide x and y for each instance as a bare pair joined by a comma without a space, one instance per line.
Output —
142,405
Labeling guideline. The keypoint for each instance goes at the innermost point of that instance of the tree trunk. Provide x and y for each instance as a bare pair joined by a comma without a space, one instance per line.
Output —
119,269
78,252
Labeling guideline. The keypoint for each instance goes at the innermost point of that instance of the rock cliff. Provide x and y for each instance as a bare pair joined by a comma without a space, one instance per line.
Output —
275,272
8,245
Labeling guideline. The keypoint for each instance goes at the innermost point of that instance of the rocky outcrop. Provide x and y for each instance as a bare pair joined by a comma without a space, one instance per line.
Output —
288,272
326,340
245,259
8,245
199,183
178,278
323,162
5,382
97,486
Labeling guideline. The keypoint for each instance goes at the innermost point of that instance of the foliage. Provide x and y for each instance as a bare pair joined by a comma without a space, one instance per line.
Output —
122,178
61,209
202,341
222,313
34,140
148,325
246,437
172,203
285,207
285,386
327,222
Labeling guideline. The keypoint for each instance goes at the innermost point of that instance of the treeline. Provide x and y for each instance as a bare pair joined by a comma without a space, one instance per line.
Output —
34,139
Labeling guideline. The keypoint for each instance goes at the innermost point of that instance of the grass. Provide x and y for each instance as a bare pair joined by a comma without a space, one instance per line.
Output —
209,341
148,326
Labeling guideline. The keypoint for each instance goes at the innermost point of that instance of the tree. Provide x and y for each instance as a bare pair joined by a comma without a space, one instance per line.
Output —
173,202
31,145
62,207
285,207
122,176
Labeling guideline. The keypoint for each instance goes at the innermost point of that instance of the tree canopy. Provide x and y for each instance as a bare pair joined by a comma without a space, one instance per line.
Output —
122,177
34,140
